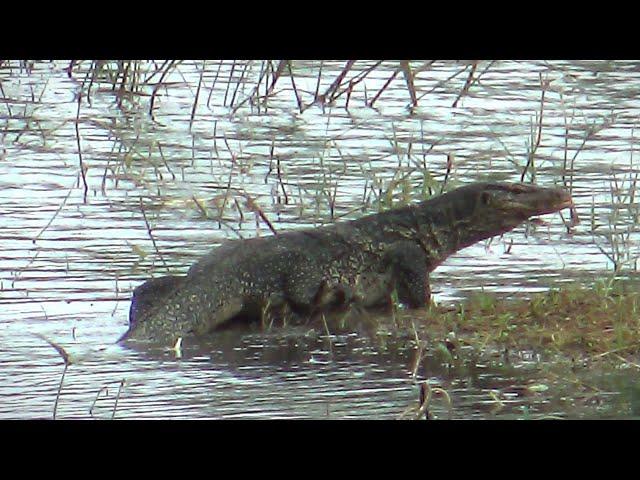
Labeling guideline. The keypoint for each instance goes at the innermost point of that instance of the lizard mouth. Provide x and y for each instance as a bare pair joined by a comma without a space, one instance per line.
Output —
565,202
549,202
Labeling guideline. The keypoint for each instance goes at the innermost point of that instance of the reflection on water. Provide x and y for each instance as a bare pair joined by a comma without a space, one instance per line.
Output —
69,263
296,374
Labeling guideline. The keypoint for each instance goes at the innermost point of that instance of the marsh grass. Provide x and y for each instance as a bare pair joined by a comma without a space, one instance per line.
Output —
613,234
138,84
536,134
571,321
135,81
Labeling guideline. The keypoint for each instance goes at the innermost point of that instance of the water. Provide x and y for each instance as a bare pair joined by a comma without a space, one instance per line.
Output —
70,261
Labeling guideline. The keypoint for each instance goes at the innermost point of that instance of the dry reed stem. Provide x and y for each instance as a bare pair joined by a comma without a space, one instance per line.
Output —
153,240
83,169
295,90
408,77
195,101
467,84
384,87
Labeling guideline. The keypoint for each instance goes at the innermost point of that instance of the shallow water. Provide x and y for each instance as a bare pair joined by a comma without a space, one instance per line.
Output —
69,263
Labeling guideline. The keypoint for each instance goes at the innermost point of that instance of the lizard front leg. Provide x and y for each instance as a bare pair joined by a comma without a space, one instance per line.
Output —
407,263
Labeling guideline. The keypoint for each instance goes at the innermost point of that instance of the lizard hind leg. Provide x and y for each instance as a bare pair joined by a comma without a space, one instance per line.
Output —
220,317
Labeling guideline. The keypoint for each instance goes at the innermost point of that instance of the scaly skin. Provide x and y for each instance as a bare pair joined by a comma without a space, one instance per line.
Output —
316,270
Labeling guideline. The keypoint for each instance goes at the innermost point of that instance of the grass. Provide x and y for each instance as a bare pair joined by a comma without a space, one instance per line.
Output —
572,322
568,334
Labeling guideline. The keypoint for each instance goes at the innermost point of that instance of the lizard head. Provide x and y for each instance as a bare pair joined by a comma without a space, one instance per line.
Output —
482,210
521,201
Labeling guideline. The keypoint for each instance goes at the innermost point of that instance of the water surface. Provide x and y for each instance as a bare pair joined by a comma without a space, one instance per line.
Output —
71,258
